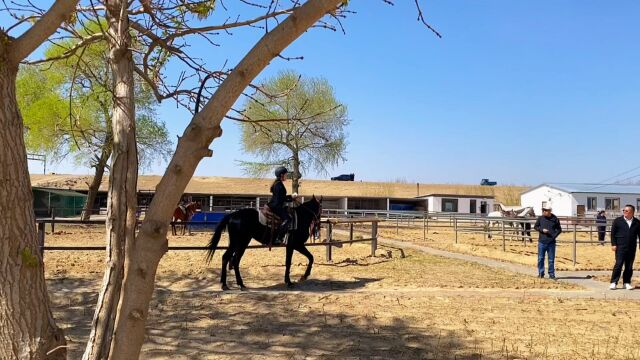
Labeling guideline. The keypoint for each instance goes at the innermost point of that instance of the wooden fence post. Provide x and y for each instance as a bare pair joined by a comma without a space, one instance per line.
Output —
575,244
329,240
374,238
41,237
455,228
504,241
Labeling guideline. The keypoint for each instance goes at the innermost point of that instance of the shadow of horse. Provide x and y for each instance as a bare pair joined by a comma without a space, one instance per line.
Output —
244,225
315,285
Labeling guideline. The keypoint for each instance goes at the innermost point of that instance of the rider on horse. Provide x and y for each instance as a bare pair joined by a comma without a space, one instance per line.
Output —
277,202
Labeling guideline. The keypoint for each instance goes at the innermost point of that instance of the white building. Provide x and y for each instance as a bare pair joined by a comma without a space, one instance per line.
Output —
468,204
581,199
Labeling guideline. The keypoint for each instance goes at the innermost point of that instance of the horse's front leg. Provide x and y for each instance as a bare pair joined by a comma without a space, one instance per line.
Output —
287,270
304,251
235,259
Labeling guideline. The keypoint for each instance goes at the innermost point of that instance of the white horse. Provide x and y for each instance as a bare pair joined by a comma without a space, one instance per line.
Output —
499,219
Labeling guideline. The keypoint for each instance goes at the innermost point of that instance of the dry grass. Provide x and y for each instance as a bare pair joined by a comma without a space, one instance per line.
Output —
588,256
507,194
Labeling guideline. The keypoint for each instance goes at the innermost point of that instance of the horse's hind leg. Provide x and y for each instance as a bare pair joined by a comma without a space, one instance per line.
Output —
223,274
304,251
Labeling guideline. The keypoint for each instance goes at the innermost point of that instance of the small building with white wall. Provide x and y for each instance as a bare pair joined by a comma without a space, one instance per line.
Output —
581,200
466,204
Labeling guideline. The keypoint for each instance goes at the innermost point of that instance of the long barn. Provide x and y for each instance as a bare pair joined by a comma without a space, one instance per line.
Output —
581,200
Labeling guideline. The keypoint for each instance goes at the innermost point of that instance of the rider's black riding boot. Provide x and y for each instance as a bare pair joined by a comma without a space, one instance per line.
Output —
282,231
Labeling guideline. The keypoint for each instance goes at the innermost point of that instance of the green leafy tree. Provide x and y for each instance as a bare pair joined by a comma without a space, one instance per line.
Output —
297,122
67,107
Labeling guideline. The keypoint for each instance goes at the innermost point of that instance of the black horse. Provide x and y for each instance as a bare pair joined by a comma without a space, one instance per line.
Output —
243,225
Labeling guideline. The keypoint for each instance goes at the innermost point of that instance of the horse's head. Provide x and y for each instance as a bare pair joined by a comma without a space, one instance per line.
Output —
314,207
192,207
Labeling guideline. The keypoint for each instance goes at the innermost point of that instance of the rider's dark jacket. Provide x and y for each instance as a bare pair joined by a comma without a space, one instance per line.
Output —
278,198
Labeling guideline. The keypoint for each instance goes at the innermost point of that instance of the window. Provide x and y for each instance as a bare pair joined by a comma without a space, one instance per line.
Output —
592,203
612,204
449,205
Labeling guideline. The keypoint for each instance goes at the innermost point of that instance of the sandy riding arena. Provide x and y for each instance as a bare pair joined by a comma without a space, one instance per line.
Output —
397,305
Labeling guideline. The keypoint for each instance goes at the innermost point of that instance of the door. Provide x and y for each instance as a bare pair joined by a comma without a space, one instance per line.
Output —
483,207
580,210
472,206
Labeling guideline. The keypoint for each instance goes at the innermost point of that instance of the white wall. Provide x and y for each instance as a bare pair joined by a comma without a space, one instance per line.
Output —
561,201
435,204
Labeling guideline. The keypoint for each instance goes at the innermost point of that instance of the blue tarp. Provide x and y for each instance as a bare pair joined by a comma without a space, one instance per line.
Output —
212,219
401,207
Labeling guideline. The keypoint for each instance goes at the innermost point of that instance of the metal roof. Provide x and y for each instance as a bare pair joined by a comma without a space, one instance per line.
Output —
593,188
457,196
60,192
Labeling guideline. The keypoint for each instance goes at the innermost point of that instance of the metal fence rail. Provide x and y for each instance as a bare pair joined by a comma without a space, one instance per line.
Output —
329,242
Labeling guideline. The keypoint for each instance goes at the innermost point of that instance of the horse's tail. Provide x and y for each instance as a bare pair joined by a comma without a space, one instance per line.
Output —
215,239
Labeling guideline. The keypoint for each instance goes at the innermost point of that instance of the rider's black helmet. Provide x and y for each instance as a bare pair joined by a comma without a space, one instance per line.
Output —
281,170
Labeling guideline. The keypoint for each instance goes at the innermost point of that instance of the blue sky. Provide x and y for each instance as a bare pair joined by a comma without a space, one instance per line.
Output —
521,92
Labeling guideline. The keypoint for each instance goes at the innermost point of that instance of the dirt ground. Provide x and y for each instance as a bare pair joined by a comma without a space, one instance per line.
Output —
399,304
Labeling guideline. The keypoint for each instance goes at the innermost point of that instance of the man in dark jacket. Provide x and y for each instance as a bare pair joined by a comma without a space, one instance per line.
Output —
548,226
625,231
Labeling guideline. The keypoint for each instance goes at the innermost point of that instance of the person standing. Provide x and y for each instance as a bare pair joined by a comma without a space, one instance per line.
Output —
548,226
625,231
601,222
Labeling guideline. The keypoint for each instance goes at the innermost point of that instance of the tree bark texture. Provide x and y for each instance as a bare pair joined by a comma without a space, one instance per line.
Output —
27,327
121,204
97,178
145,252
295,179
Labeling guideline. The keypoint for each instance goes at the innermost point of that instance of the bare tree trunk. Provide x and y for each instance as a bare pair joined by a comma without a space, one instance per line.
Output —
97,178
27,328
121,207
145,252
295,179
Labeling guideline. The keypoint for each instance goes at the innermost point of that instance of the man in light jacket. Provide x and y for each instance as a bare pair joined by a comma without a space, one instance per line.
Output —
625,231
548,226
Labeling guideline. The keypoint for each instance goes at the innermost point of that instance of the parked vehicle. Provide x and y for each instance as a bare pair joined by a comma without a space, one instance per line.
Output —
344,177
486,182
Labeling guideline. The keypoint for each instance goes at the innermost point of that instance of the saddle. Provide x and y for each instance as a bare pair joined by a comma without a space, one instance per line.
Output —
273,221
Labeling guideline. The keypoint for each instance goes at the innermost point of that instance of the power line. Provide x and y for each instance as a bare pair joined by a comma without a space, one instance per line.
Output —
622,173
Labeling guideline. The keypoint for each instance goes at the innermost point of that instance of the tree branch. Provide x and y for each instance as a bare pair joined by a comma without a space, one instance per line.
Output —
41,30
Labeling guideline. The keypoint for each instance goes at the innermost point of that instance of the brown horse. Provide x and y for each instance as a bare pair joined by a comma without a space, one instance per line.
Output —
183,213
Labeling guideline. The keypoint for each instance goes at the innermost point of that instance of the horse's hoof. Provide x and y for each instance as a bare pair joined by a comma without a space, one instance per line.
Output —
291,285
225,287
302,278
243,288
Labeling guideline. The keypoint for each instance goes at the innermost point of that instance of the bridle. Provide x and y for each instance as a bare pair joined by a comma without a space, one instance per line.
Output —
315,225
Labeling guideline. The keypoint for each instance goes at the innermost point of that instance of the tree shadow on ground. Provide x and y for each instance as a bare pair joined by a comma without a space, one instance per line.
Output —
203,324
